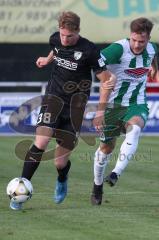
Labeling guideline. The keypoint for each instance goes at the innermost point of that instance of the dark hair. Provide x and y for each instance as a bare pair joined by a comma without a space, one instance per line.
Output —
69,20
140,25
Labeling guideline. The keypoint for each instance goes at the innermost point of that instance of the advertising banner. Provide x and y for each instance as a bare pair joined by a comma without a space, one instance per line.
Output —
18,115
152,125
101,20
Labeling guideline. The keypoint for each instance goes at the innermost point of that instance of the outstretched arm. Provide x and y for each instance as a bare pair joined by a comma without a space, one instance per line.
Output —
107,83
43,61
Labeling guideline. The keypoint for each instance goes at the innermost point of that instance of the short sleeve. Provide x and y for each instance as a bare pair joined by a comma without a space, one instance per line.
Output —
54,40
155,48
96,61
112,53
51,41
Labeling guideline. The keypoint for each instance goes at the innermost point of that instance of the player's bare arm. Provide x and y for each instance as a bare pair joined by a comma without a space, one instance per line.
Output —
43,61
107,83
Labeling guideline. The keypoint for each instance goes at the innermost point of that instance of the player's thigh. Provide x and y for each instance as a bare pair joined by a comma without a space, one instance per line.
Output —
113,124
51,109
109,146
136,120
137,115
66,133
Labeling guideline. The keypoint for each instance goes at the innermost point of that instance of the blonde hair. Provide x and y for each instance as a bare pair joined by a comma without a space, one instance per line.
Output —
69,20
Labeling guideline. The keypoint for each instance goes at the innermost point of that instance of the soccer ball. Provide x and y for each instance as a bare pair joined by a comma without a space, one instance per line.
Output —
19,190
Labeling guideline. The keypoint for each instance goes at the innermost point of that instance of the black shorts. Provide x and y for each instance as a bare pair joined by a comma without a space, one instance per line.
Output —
65,121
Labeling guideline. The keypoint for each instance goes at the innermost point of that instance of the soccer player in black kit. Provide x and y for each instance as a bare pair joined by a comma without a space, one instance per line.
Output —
63,105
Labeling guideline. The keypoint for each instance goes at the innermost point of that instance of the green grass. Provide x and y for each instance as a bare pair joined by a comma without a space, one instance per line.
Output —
131,213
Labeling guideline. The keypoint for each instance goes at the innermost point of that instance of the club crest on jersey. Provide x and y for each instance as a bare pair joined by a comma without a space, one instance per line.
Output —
148,62
137,72
77,55
101,62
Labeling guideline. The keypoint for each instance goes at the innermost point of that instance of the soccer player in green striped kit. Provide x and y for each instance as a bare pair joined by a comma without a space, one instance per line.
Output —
126,109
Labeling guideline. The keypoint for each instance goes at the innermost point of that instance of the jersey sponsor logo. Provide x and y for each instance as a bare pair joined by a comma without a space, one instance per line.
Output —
77,55
137,72
101,62
66,63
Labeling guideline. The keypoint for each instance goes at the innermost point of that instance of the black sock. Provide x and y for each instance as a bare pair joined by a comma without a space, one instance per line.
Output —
63,172
32,161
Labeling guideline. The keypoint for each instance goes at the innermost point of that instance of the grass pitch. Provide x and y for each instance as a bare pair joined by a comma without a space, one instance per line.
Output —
130,210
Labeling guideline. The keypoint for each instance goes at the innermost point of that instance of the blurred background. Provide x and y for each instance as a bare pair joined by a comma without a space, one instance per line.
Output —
25,27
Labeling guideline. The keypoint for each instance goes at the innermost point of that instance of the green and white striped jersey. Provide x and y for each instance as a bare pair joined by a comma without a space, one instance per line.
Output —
131,71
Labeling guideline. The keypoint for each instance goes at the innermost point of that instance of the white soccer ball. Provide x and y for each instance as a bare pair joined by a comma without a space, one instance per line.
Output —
19,190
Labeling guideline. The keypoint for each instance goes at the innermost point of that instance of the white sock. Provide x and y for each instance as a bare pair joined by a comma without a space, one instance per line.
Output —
128,148
100,161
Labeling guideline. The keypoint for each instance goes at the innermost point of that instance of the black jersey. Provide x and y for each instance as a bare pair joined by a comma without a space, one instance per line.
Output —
71,67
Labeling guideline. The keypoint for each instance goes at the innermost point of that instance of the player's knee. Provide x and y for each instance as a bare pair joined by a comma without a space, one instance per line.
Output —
107,148
43,137
42,144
